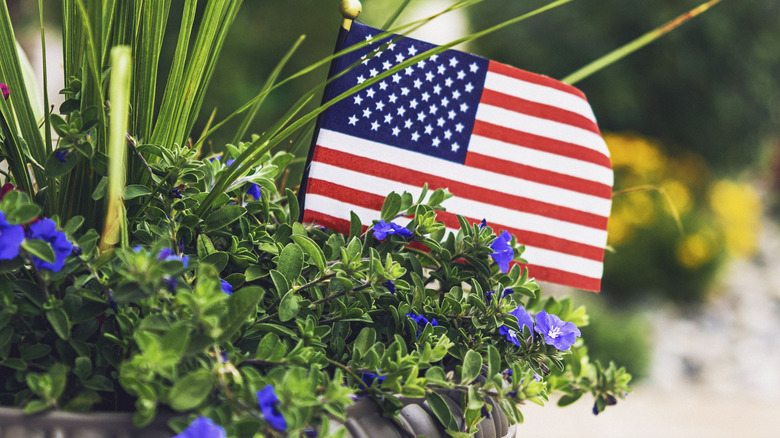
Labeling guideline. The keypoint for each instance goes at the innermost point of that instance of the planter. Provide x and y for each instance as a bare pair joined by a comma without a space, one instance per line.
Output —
364,420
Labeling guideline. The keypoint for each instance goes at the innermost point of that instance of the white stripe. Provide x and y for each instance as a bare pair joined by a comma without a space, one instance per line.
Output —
458,172
466,207
541,127
534,256
539,93
540,160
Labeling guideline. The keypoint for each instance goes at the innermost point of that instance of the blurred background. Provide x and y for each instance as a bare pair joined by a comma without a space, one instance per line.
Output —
691,292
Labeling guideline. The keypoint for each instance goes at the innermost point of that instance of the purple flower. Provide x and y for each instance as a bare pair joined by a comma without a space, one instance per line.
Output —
202,427
226,287
489,297
254,191
370,378
46,230
167,255
268,401
382,229
224,357
390,286
62,155
229,162
175,193
559,334
11,238
502,252
507,292
170,283
482,224
5,90
523,320
422,322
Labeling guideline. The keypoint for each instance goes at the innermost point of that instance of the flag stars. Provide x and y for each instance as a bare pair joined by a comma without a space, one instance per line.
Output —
442,68
421,64
436,142
392,98
448,82
353,120
412,51
433,109
429,129
425,96
456,94
453,62
387,65
397,78
374,125
358,100
461,74
370,93
464,107
409,71
459,127
383,85
388,118
455,147
435,57
437,89
380,106
396,131
445,102
404,91
399,58
429,76
407,124
366,113
474,67
451,115
421,116
413,103
415,136
440,122
447,134
417,83
368,37
361,79
373,72
401,111
469,87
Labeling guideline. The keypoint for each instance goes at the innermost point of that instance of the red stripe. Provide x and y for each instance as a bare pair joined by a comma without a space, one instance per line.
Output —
540,143
539,110
478,194
530,173
529,238
540,273
507,70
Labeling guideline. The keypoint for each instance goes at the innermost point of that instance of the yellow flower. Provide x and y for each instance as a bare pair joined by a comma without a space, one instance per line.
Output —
738,210
694,251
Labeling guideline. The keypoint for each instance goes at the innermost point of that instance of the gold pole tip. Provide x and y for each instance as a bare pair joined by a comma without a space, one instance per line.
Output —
350,9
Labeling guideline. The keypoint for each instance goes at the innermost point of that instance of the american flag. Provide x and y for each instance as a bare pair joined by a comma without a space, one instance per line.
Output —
518,149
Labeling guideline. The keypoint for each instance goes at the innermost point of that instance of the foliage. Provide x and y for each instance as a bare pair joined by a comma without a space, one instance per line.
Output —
719,218
148,276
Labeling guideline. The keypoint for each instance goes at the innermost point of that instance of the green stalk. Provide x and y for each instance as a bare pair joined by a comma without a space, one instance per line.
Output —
119,95
396,14
627,49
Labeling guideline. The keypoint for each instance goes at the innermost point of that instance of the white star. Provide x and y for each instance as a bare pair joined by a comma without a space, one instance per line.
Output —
442,69
373,72
429,129
461,74
437,89
383,85
469,87
353,120
401,111
448,82
361,79
358,100
436,142
440,122
409,71
464,107
364,59
412,51
391,46
413,104
415,136
433,109
426,96
434,57
421,64
388,118
474,67
375,126
417,83
396,131
453,62
378,51
447,134
455,147
370,93
380,106
421,116
404,91
366,113
459,127
451,114
445,102
397,78
456,94
407,124
392,98
429,76
386,65
368,37
399,58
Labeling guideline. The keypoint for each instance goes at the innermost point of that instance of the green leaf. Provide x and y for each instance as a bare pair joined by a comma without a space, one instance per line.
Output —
365,341
134,191
60,322
189,392
494,361
312,249
271,348
39,249
224,217
254,272
355,226
391,206
442,410
568,399
23,213
291,262
292,202
35,406
472,365
205,247
35,351
56,168
100,189
241,305
280,282
289,306
217,259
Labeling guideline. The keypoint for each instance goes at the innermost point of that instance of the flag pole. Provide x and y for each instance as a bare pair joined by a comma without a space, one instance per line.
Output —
350,9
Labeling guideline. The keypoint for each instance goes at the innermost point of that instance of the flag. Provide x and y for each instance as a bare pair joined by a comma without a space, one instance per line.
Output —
521,150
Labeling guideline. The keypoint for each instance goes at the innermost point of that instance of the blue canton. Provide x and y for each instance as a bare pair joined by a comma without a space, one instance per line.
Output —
427,108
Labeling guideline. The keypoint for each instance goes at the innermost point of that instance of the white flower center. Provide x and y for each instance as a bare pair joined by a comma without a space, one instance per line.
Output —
554,332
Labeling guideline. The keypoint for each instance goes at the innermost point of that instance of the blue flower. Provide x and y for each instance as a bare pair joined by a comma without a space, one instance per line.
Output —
559,334
370,378
489,297
229,162
268,401
62,155
502,252
175,193
254,191
11,238
382,229
202,427
226,287
167,255
507,292
46,230
390,286
523,320
482,224
422,322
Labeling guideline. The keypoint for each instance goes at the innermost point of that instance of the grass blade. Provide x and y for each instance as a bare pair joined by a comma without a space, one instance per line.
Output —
396,14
